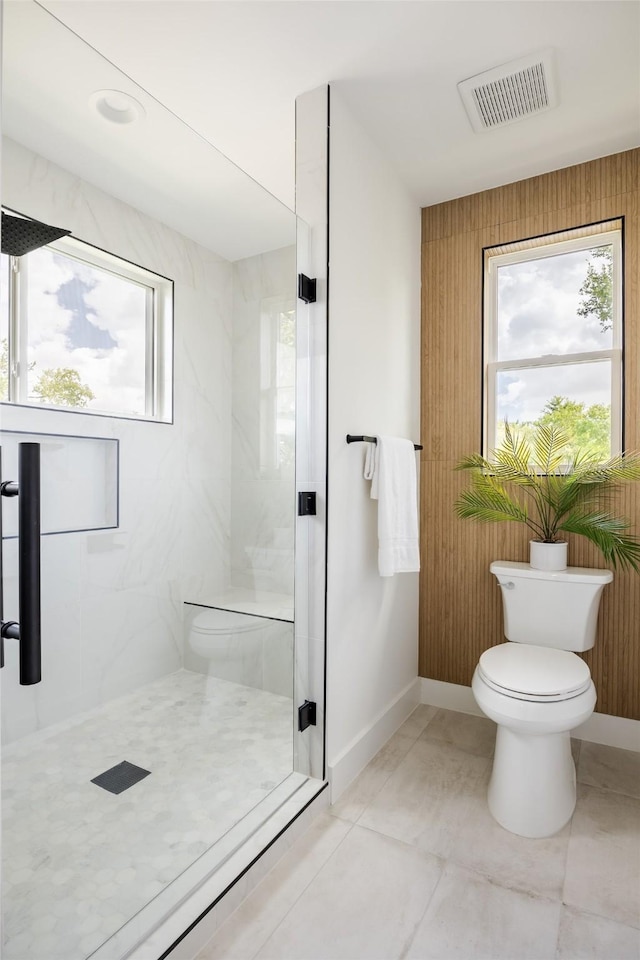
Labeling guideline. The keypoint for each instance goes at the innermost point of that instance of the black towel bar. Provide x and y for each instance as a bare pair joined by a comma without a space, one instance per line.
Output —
351,438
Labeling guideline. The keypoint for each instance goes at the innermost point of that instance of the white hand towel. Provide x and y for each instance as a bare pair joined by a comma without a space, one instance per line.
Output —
391,466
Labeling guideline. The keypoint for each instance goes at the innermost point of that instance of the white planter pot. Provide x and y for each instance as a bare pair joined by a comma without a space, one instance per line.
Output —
548,556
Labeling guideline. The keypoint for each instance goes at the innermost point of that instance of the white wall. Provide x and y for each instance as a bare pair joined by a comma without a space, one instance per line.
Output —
374,354
112,600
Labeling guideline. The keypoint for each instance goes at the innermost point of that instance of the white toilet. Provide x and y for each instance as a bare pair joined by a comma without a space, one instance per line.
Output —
230,643
537,692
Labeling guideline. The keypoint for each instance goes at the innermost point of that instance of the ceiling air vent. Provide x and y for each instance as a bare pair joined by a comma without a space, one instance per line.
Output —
511,92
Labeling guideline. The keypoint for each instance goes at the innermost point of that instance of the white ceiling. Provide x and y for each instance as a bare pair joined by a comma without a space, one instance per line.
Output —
160,166
232,70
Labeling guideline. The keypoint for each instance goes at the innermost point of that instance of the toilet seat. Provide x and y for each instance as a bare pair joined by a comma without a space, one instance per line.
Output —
534,673
214,621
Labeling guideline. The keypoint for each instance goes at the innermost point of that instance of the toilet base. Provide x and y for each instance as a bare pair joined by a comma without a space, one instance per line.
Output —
532,791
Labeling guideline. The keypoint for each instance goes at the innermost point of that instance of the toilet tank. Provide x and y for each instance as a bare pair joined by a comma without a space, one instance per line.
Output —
551,608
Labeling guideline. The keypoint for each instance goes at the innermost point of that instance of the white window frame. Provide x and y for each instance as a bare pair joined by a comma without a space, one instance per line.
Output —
492,366
158,330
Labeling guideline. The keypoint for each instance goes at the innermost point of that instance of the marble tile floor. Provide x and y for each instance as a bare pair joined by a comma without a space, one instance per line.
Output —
410,864
78,861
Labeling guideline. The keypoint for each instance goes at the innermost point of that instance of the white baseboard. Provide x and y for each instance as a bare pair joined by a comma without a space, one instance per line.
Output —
599,728
612,731
451,696
363,748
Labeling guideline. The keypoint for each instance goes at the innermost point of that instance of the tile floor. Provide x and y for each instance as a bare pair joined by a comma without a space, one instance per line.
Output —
78,861
410,864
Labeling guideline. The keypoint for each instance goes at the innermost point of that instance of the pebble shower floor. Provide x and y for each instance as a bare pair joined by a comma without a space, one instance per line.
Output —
79,861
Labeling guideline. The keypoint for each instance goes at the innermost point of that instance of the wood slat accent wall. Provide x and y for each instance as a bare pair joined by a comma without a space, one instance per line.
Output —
460,604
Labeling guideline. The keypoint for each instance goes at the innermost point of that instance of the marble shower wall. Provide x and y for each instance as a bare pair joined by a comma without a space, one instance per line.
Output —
113,600
262,471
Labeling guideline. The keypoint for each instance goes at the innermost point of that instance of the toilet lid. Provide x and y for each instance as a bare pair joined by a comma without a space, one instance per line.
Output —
528,672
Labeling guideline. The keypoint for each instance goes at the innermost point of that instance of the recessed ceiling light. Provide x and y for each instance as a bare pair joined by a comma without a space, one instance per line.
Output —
116,106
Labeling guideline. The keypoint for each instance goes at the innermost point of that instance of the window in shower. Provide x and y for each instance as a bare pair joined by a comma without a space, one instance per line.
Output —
4,329
82,329
277,386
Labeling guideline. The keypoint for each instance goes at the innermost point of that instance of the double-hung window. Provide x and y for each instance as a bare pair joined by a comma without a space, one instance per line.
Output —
553,338
82,329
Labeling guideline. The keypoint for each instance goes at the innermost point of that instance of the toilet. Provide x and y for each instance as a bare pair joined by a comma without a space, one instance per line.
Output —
230,644
537,690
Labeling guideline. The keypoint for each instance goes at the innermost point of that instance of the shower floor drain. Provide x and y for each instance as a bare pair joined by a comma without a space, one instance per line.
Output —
120,777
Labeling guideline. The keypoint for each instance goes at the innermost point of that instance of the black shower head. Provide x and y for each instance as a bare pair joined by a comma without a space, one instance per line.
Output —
20,236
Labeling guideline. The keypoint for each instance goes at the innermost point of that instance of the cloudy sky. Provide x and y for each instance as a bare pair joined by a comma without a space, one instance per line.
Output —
91,321
537,315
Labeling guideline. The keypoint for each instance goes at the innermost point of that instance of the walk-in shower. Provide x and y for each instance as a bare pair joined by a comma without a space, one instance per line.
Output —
152,354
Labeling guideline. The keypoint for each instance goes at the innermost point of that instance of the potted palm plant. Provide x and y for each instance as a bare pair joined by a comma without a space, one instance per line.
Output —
536,483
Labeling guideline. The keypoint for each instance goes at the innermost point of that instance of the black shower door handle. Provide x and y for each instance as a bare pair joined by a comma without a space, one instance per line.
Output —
28,630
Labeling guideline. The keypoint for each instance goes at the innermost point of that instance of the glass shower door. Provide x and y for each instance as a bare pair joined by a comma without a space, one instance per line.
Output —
161,733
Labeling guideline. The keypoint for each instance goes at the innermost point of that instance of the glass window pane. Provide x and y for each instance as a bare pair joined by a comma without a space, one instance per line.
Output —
556,305
576,397
4,327
86,336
